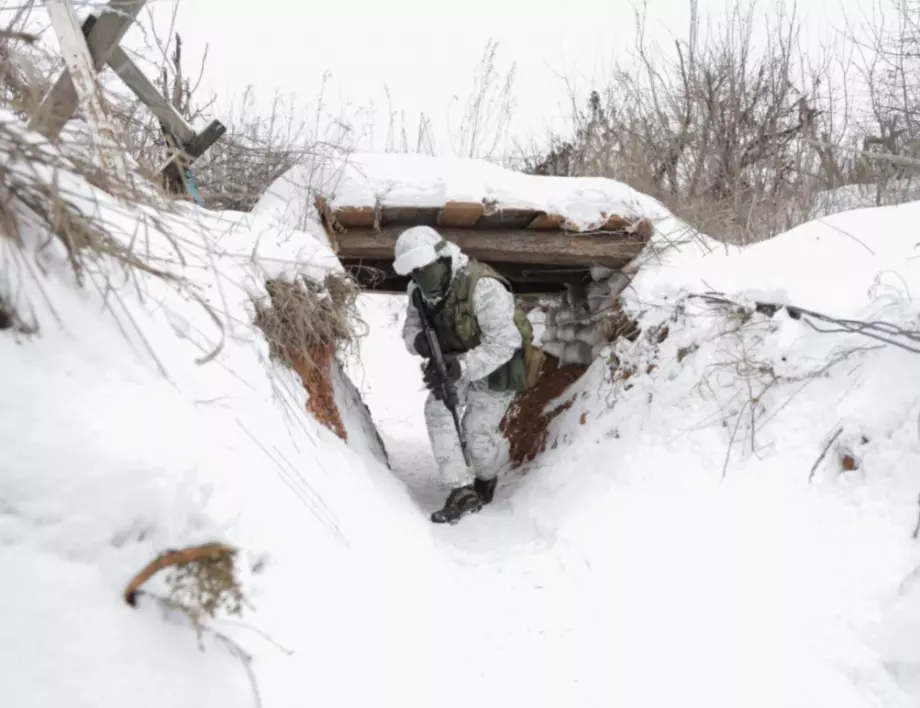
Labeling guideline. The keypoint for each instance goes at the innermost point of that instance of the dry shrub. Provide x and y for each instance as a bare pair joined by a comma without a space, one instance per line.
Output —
202,581
616,324
306,323
48,194
526,424
723,131
303,315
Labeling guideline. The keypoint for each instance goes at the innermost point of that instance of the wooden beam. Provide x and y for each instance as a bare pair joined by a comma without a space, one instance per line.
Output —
143,88
378,276
558,248
84,83
60,103
519,272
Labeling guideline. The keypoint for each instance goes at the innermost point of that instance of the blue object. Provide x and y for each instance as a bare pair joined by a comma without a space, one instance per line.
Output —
192,186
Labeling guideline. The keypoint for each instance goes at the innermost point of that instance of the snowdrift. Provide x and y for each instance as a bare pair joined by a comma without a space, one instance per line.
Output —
142,412
751,467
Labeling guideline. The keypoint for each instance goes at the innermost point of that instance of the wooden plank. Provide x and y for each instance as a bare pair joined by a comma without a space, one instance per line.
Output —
378,276
143,88
547,221
507,219
60,103
639,227
460,214
408,216
557,248
355,217
79,64
205,139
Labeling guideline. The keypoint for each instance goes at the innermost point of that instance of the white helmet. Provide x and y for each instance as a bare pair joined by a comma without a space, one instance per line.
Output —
417,247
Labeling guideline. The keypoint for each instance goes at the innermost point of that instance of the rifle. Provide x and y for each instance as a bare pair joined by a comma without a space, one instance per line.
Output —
448,390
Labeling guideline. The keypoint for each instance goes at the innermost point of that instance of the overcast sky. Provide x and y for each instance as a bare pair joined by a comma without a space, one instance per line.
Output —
424,53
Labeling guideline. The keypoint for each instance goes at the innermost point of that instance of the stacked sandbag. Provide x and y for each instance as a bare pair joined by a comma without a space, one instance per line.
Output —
578,329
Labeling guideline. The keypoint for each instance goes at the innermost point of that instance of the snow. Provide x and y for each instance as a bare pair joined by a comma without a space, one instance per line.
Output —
362,179
668,549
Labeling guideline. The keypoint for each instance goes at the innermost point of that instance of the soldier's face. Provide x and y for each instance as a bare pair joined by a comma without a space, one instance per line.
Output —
433,279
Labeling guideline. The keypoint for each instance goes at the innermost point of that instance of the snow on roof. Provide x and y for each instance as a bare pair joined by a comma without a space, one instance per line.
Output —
396,179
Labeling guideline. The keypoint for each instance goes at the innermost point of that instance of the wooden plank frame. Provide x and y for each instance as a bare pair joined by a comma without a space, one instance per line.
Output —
60,104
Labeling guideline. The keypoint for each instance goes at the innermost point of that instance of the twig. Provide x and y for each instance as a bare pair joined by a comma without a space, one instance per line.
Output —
18,36
886,157
880,331
823,454
245,660
728,451
916,533
232,646
262,633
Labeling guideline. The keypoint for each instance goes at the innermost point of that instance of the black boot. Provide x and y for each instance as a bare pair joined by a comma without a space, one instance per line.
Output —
460,502
485,488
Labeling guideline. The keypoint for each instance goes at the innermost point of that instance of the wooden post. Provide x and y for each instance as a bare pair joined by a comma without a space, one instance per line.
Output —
143,88
60,103
79,63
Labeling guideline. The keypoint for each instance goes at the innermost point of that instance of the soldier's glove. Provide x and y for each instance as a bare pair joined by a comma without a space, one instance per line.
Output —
434,382
421,346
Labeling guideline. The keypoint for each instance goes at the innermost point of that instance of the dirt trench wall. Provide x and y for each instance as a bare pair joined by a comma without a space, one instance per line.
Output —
335,402
526,424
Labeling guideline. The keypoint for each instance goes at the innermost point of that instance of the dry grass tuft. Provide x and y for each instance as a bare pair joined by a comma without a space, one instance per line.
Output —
45,189
306,323
303,316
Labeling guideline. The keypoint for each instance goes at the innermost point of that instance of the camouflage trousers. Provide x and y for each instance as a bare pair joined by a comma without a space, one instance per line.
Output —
482,410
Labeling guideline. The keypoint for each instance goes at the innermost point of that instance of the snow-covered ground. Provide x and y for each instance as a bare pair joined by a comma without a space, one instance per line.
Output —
683,543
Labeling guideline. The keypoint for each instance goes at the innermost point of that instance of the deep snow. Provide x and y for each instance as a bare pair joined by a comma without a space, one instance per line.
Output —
669,551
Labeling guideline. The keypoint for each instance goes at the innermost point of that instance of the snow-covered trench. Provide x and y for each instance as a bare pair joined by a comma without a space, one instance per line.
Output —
669,549
621,569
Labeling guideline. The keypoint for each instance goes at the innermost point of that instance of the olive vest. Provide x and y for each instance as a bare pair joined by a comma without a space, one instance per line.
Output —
458,330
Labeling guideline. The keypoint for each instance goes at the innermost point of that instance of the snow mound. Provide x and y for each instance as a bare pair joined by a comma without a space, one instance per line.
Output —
742,484
146,414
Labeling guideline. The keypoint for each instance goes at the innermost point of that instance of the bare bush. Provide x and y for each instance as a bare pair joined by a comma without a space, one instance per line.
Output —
889,65
720,133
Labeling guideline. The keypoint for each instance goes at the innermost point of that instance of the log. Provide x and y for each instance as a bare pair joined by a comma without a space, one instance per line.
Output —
559,248
378,276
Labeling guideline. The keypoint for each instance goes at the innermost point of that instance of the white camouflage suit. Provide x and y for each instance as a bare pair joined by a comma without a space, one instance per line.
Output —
483,409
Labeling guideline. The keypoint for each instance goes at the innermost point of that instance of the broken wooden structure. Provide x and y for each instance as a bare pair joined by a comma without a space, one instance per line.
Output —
538,252
101,34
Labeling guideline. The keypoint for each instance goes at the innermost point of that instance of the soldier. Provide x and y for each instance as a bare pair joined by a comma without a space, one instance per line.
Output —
487,347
